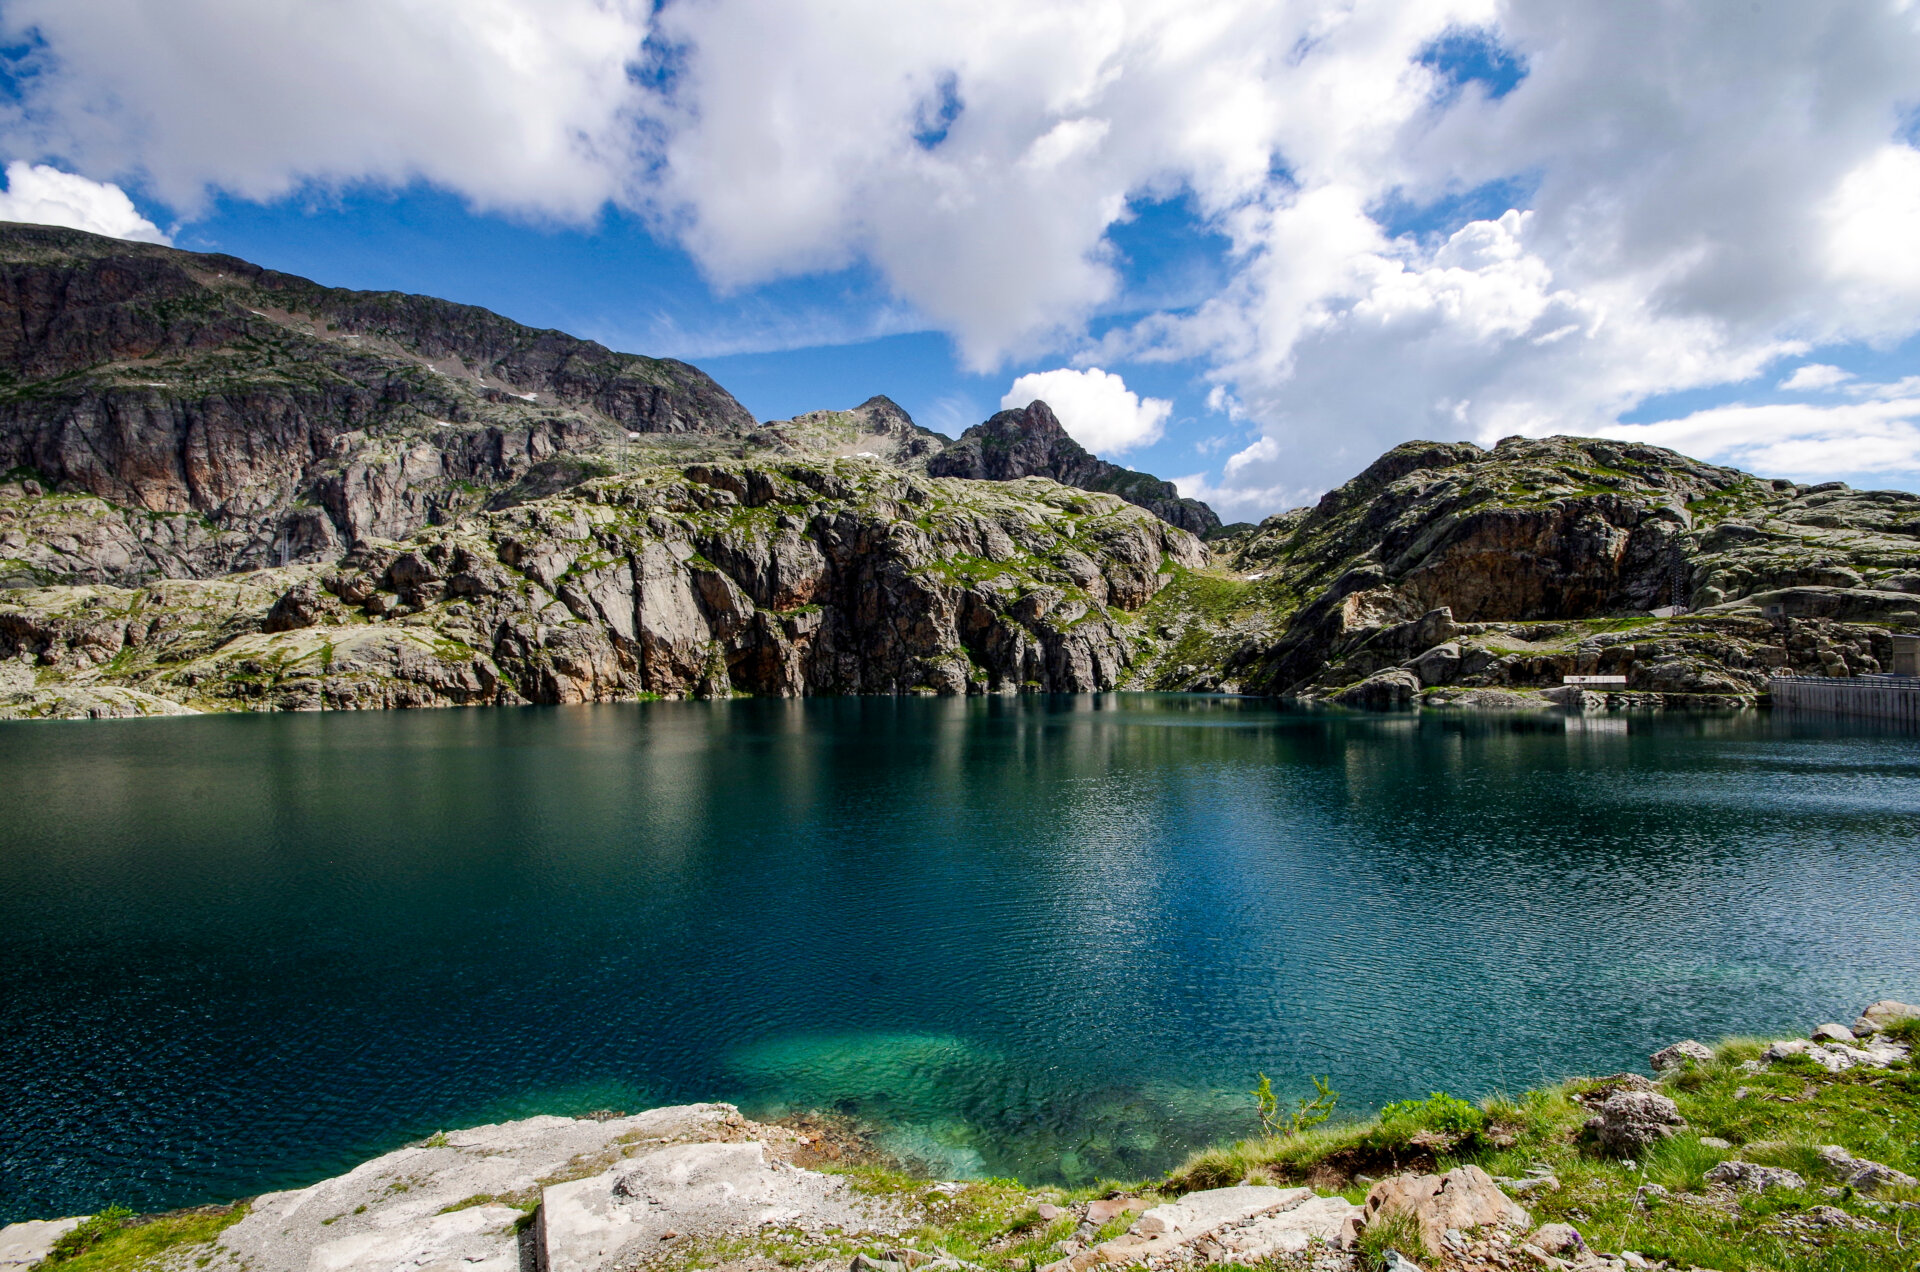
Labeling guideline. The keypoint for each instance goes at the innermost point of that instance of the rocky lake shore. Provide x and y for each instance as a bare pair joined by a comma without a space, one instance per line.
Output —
1753,1155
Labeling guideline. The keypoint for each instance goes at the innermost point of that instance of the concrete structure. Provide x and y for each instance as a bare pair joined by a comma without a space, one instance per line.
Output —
1875,697
1906,656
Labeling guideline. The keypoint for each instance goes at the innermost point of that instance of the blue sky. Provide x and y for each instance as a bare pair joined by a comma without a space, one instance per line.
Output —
1243,245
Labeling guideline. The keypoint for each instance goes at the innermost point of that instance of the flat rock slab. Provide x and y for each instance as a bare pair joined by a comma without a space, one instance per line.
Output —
690,1190
1223,1225
457,1199
1291,1231
24,1244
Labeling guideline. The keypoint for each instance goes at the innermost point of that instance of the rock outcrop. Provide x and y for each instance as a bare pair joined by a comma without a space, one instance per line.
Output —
1508,569
565,1194
783,579
1032,443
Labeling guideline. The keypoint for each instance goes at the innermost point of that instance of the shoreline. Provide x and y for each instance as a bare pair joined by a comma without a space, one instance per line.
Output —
1782,1154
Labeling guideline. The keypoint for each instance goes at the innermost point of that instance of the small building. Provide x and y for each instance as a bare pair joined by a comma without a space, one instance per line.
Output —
1906,656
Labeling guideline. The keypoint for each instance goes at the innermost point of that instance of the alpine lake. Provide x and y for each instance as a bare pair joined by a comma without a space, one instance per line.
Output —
1048,937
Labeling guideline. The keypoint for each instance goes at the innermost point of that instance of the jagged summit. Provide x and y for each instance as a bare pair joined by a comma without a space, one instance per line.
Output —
1032,442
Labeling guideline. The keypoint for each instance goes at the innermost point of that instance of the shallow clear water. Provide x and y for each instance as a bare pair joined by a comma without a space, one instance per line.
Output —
1046,937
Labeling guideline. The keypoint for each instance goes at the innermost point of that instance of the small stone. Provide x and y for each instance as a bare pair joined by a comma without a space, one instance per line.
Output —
1048,1212
1747,1177
1648,1193
1714,1141
1398,1262
1634,1260
1680,1055
1557,1239
1833,1033
1741,1093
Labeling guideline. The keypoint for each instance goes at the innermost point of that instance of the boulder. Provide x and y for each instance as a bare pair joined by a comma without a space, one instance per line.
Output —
1628,1121
1680,1055
1438,665
1833,1033
1862,1174
1883,1013
1464,1197
1389,690
1748,1177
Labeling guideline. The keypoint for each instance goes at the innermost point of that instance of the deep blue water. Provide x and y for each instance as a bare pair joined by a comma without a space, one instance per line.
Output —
1047,937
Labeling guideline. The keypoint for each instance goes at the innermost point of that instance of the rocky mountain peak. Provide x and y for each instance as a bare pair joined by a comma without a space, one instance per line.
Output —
1031,442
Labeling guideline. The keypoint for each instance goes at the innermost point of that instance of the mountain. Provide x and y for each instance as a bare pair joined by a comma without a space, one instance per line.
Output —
261,417
1032,443
1445,569
226,488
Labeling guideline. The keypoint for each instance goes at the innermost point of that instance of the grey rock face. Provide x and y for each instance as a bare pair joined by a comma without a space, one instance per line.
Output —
1629,1121
1032,443
290,419
778,579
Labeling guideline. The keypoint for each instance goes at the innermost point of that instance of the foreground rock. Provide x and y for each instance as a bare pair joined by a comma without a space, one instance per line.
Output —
1463,1198
602,1190
24,1244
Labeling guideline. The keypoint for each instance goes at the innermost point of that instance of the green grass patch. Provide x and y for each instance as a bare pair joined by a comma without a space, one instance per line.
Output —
113,1241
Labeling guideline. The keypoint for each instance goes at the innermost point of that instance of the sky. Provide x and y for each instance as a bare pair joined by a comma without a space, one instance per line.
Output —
1244,245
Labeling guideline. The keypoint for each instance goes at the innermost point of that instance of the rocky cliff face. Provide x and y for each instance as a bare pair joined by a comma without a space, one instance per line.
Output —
707,580
292,420
1445,568
1032,443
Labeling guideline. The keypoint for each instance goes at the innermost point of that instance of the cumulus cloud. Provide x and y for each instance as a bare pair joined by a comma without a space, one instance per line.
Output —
48,196
1664,226
1811,377
1812,442
514,104
1095,407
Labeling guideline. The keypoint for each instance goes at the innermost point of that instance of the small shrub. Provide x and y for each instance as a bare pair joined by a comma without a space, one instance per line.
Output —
1905,1030
1446,1114
1400,1231
90,1233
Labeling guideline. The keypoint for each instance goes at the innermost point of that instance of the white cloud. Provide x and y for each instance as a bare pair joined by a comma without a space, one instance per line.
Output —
42,195
1797,439
1814,376
1094,406
1672,228
515,104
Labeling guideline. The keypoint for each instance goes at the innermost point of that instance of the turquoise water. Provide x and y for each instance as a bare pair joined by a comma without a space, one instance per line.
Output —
1047,937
